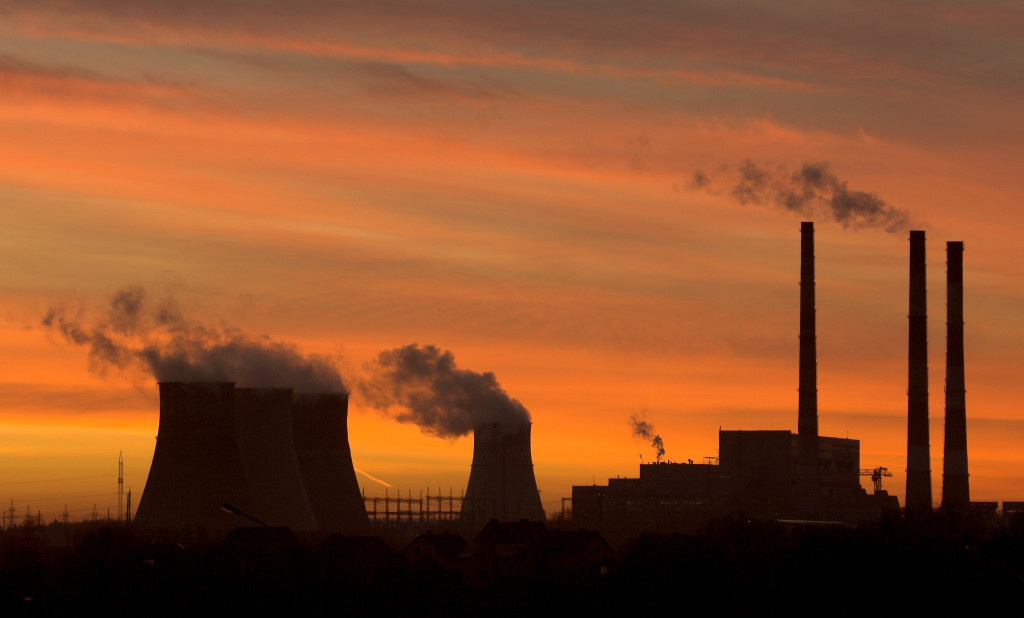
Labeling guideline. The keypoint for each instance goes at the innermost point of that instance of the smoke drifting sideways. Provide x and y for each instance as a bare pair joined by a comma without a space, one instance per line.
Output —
422,385
134,337
645,431
811,190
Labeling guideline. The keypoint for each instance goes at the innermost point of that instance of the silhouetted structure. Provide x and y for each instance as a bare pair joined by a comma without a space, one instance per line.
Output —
764,474
437,548
320,427
807,423
956,492
505,552
501,483
196,466
919,472
274,486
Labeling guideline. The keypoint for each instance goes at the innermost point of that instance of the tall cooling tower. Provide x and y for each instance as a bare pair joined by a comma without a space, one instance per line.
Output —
956,491
808,479
274,486
196,466
919,471
501,481
320,427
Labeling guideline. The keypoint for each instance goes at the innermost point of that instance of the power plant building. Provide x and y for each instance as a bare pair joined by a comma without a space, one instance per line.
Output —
762,473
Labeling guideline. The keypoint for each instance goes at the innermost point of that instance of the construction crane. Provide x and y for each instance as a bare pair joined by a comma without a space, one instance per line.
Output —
876,476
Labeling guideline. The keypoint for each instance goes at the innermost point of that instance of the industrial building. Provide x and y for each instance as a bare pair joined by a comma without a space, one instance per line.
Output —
763,473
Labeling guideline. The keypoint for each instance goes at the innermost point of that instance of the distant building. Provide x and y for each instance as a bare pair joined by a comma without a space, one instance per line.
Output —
755,475
510,551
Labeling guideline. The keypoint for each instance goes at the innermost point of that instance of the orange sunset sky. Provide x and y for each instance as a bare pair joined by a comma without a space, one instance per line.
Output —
513,182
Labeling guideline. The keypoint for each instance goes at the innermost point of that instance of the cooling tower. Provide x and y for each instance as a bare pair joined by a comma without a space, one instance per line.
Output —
919,473
956,491
274,487
196,466
320,427
501,481
808,481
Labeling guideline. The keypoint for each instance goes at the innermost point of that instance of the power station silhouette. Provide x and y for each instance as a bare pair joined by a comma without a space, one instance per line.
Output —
279,459
804,476
283,459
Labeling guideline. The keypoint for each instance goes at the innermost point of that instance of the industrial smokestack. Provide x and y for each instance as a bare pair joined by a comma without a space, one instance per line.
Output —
501,481
196,466
274,486
807,423
956,491
320,427
919,473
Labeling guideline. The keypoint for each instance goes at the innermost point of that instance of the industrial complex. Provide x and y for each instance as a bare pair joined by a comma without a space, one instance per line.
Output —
283,459
805,477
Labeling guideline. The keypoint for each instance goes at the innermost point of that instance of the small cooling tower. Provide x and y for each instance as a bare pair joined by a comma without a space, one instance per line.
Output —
320,427
196,466
274,487
501,482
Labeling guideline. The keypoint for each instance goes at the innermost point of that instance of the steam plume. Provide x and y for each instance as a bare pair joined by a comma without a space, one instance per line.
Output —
812,189
160,341
422,385
645,431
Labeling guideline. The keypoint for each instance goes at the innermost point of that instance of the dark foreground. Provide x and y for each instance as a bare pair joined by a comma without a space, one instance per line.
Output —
731,567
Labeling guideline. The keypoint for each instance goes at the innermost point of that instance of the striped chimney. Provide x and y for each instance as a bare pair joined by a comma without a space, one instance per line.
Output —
919,474
956,491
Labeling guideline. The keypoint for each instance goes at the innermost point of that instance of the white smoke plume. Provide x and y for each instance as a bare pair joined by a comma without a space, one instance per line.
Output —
422,385
645,431
133,336
811,190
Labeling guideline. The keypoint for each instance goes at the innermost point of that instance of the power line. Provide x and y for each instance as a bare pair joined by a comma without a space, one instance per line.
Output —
70,478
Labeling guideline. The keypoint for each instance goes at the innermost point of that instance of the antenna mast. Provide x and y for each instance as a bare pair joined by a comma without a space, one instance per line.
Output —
120,484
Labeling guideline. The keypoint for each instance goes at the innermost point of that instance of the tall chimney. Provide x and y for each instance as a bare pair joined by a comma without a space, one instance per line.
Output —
956,491
919,474
807,424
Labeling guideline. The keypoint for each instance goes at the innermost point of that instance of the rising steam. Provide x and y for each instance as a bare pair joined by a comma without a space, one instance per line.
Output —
811,190
422,385
645,431
132,336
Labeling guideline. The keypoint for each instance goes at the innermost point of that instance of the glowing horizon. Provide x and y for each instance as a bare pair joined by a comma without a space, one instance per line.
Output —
513,184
